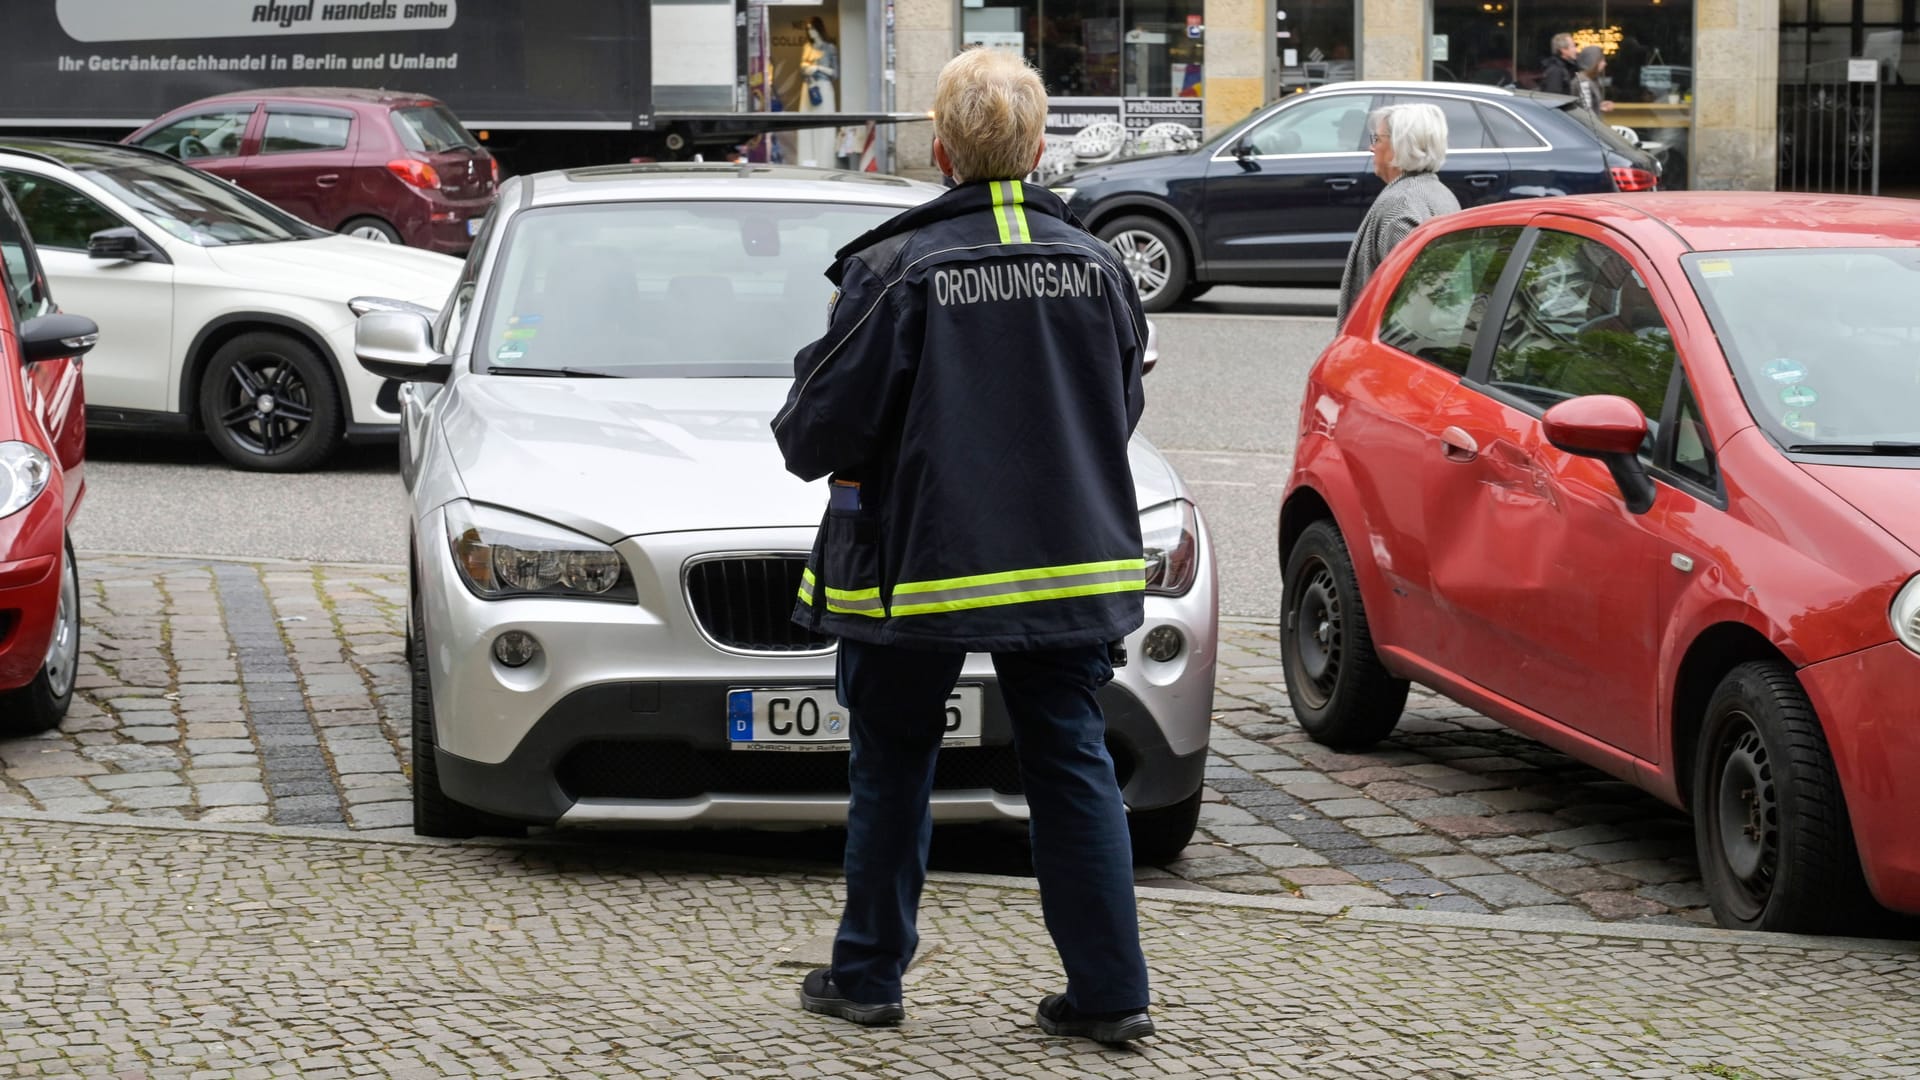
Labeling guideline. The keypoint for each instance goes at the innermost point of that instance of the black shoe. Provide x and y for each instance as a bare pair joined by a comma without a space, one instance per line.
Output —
1056,1017
819,995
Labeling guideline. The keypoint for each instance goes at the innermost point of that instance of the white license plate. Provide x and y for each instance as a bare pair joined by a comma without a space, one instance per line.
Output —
473,226
812,718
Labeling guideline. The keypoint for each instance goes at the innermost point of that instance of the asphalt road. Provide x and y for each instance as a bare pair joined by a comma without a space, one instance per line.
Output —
1222,404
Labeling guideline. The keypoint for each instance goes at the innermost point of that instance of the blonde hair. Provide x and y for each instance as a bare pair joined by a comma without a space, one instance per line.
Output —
990,113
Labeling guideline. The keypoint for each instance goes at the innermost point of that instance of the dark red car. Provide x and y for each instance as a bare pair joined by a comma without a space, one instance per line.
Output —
43,442
1640,477
376,164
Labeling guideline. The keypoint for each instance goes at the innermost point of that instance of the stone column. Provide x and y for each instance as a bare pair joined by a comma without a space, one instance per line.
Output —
1736,91
1393,39
1239,39
926,34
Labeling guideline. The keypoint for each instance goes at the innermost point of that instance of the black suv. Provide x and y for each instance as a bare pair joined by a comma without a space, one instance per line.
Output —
1277,198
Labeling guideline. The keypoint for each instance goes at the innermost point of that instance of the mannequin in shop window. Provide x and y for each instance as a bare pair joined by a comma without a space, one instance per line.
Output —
819,67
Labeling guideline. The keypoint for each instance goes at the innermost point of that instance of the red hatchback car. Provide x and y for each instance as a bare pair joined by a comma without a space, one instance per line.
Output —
1640,477
43,442
376,164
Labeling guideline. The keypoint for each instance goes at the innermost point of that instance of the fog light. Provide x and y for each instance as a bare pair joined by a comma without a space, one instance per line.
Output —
515,648
1163,643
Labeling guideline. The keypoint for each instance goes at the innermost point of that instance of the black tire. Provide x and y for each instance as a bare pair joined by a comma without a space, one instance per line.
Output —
269,404
1194,291
1155,256
372,228
434,814
41,704
1160,835
1341,693
1769,820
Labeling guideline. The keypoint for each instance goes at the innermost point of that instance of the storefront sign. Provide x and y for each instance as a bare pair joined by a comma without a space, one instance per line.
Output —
1139,114
1861,69
1070,115
1438,49
1013,41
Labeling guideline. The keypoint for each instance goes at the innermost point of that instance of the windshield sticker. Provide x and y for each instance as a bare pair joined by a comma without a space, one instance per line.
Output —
523,320
512,350
1794,423
1716,268
1785,371
521,333
1798,397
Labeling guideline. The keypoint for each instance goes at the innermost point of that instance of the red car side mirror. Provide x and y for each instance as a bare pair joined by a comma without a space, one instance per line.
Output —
1610,429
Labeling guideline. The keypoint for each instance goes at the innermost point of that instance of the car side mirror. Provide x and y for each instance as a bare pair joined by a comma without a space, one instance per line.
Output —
122,244
51,337
1152,351
399,345
1610,429
1247,155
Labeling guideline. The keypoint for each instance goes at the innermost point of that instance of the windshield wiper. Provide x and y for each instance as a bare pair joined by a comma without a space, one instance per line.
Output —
552,372
1890,449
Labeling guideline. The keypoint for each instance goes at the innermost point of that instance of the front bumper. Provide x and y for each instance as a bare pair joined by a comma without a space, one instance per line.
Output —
31,547
639,683
1869,707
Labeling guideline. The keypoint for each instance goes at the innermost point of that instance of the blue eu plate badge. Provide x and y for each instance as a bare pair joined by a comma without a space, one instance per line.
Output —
740,716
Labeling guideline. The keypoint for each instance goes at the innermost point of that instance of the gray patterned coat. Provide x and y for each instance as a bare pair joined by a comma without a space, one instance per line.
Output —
1399,209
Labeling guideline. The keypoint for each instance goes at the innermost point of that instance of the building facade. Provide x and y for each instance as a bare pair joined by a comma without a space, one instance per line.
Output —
1731,94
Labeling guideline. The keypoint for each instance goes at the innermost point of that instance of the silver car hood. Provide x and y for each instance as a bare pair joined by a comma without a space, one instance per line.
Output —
615,458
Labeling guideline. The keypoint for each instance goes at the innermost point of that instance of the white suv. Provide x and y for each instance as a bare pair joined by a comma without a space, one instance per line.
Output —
218,312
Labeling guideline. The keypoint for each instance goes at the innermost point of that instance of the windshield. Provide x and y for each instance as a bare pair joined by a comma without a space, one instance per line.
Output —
1825,343
193,206
432,129
666,289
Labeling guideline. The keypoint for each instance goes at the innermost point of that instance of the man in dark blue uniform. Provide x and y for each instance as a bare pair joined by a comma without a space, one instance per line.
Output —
973,399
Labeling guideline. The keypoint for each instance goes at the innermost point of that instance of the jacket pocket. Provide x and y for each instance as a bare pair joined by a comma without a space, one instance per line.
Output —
850,565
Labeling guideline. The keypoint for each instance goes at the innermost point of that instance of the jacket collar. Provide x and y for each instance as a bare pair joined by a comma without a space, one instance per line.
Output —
960,201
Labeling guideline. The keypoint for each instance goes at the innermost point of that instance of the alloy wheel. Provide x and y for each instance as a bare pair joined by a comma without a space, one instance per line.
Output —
266,406
1315,640
371,232
1146,259
63,653
1747,814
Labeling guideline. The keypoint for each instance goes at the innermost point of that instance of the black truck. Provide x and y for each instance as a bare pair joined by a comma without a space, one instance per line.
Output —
552,83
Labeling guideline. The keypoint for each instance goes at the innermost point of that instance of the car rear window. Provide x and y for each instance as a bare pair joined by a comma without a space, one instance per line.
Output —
432,129
1508,133
1602,130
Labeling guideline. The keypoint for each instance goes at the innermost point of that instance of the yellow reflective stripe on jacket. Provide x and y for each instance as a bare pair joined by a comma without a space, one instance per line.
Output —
844,601
1009,211
987,590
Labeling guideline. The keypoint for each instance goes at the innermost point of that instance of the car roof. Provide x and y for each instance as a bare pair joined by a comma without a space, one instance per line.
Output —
1739,220
1459,89
73,153
709,180
353,95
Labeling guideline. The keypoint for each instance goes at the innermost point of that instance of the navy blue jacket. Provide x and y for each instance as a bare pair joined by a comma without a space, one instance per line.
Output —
979,380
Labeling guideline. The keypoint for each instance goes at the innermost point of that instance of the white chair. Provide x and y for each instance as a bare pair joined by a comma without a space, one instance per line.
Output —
1099,142
1627,133
1055,162
1163,137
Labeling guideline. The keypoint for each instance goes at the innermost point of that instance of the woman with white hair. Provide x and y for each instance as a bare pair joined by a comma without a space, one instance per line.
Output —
1409,146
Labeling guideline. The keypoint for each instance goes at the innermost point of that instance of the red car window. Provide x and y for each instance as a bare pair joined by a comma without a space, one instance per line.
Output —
295,132
1582,322
1439,305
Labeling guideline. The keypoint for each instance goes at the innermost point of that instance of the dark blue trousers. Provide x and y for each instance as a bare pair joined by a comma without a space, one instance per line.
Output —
897,699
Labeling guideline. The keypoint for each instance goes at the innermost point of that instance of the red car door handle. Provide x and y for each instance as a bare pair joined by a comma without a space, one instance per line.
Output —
1459,446
327,179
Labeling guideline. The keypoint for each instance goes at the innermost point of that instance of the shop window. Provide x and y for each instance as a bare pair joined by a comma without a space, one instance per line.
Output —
1647,82
1316,43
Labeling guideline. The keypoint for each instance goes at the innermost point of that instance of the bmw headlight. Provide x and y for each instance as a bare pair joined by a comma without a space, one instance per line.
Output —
1906,615
24,473
1170,533
502,554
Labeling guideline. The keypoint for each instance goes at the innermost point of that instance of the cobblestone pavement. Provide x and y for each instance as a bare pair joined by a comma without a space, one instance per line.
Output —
276,692
217,953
